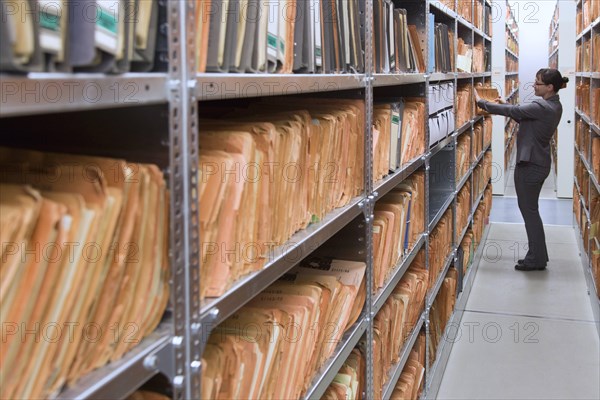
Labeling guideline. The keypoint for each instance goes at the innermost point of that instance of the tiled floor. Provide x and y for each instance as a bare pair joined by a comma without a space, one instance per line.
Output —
525,335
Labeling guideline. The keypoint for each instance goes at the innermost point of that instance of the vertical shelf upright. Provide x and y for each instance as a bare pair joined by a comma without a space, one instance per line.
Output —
586,147
563,57
505,77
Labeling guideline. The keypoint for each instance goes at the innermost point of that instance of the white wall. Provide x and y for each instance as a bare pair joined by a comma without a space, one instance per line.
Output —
533,18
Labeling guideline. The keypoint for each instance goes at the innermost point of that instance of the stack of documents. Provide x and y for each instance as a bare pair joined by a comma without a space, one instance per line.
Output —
349,383
596,48
591,11
444,48
478,14
596,156
595,113
467,247
254,162
85,266
415,184
587,56
464,56
477,141
445,4
395,321
398,223
481,175
412,379
464,104
391,231
479,57
440,245
463,148
59,35
595,233
511,65
464,10
396,44
280,36
489,22
510,84
577,199
463,207
398,134
581,132
488,93
488,127
413,129
273,346
387,138
441,311
579,56
481,215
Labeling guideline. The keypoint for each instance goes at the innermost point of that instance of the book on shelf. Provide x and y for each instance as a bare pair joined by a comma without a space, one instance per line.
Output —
396,44
59,36
280,36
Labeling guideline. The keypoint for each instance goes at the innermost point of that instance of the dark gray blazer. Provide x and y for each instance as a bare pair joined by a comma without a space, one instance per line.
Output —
537,122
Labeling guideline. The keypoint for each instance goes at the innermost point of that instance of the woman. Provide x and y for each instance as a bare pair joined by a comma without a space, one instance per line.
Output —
537,123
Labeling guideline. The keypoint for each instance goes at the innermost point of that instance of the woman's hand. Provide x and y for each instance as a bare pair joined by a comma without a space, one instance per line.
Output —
477,97
500,100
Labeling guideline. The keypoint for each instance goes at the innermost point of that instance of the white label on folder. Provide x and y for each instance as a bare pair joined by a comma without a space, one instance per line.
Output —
107,25
316,8
273,30
463,63
51,19
396,123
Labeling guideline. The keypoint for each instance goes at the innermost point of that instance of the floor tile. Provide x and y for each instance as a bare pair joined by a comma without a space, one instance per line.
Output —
558,292
513,357
554,233
553,211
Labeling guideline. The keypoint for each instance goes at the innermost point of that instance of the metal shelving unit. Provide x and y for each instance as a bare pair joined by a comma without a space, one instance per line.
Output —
590,134
167,350
175,348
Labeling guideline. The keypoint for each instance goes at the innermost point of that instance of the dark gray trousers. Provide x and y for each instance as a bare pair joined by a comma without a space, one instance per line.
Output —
529,179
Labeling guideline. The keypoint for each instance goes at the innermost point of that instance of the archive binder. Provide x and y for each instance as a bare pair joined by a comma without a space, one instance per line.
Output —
20,48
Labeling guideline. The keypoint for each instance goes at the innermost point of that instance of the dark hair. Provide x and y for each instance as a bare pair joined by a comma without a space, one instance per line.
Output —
552,77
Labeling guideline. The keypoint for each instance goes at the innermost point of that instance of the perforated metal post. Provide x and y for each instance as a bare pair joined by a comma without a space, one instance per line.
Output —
184,202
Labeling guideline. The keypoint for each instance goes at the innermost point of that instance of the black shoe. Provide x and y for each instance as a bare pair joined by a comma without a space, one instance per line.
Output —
521,261
527,267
